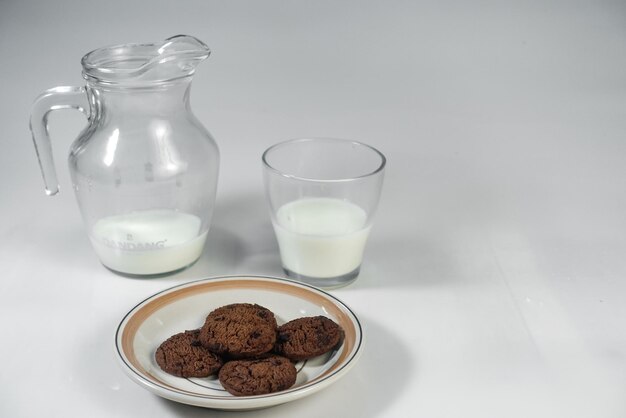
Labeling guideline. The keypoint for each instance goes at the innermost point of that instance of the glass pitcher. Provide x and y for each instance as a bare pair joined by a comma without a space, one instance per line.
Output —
144,169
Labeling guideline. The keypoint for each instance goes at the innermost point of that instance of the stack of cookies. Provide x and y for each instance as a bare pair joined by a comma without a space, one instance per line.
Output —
244,345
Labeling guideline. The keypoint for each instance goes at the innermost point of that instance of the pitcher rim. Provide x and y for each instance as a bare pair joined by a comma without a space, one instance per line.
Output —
110,64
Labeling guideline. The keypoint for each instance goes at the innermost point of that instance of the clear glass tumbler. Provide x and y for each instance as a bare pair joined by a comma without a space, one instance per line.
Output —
323,194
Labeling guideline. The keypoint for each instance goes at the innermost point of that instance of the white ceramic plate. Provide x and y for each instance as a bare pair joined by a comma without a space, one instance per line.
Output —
184,307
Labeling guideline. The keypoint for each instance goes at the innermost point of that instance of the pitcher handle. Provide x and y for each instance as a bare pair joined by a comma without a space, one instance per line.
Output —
64,97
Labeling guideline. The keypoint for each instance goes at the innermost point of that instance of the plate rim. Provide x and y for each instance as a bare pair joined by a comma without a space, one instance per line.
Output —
246,402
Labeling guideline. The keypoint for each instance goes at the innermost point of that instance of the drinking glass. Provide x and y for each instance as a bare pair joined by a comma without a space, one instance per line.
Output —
323,194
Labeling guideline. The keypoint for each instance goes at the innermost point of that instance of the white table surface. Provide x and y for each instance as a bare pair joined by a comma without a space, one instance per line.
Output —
494,283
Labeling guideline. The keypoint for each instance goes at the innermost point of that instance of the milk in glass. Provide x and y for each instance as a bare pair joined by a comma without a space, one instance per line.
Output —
321,237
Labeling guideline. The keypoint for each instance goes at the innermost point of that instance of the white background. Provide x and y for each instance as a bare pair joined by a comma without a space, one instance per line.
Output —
494,280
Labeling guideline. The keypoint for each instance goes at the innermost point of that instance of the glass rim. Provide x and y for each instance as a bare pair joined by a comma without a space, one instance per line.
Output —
379,168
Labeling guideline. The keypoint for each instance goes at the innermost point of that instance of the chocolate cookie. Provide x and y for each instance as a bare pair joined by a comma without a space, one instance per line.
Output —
257,377
308,337
239,330
182,355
